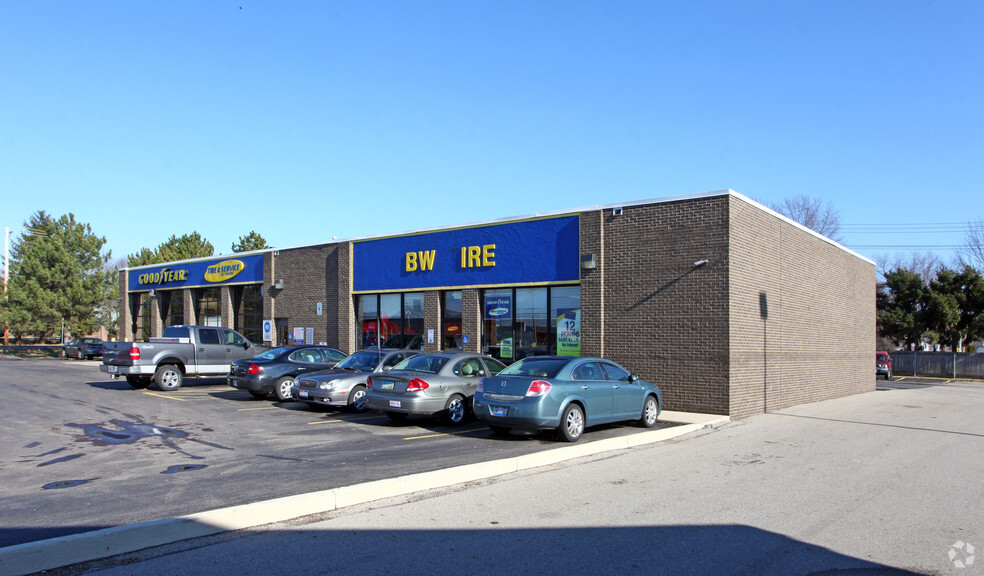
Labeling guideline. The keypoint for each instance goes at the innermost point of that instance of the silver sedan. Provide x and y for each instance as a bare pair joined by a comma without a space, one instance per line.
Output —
440,384
345,384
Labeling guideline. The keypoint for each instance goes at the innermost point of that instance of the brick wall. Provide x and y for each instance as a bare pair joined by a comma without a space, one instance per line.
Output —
802,315
310,275
662,318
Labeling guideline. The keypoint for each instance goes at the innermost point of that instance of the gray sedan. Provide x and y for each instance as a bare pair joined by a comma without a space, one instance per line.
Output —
345,384
440,384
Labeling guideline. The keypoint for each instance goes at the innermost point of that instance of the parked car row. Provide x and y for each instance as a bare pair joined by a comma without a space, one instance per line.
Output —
565,394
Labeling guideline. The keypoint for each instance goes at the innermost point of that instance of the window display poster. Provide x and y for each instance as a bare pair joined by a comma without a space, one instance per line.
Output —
298,336
498,307
569,333
506,348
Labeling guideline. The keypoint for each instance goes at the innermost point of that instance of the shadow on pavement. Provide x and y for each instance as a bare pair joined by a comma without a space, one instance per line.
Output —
674,549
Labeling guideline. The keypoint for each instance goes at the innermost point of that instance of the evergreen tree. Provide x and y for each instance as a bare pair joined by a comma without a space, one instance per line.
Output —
186,247
900,302
252,241
57,273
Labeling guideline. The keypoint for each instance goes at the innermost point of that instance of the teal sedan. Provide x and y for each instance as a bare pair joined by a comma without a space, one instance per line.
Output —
566,394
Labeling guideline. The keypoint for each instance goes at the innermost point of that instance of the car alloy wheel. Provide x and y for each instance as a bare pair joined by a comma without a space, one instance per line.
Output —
454,410
572,423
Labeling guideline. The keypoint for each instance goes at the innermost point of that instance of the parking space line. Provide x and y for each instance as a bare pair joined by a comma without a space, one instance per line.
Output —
445,434
251,409
325,422
163,396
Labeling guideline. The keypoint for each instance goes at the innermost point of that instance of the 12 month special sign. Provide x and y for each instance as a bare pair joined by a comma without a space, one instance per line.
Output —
539,251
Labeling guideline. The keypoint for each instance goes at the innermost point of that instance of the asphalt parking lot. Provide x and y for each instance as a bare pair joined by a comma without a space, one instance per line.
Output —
86,452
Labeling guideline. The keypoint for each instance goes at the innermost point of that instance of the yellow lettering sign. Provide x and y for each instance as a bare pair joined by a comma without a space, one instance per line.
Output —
478,256
420,260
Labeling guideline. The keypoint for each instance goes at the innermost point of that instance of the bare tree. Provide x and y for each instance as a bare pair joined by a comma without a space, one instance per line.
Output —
925,264
812,213
972,252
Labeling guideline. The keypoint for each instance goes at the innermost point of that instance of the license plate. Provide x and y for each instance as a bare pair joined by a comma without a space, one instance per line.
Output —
499,410
394,403
234,383
387,386
302,394
112,369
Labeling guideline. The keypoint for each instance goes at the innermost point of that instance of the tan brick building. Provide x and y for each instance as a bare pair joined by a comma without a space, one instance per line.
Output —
729,307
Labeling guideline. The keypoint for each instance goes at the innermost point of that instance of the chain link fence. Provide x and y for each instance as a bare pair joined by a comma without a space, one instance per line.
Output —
938,364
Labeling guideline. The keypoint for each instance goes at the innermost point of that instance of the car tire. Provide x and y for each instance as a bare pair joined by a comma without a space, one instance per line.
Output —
650,412
500,430
258,395
168,377
888,375
80,355
357,401
454,410
571,424
282,388
138,382
397,416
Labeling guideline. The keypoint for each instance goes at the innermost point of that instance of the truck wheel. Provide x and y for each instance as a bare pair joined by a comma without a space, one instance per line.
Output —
168,377
138,382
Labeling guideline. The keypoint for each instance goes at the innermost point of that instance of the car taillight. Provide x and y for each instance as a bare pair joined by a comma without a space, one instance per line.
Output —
538,388
134,353
416,385
481,386
254,369
369,383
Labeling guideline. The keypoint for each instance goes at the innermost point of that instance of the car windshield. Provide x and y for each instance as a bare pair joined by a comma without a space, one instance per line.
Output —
272,354
422,363
882,357
534,366
364,361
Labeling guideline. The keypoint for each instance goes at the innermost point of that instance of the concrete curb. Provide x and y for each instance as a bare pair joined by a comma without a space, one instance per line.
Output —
67,550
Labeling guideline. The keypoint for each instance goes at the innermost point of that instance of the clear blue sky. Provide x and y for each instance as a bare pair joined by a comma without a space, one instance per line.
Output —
308,120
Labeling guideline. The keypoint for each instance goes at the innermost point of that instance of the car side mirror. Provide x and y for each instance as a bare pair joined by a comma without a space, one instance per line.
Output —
246,344
633,377
387,368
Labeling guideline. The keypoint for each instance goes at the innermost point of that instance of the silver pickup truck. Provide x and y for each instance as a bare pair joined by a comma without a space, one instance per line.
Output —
181,351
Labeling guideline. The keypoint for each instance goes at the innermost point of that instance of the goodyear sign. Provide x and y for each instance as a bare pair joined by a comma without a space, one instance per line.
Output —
537,251
241,270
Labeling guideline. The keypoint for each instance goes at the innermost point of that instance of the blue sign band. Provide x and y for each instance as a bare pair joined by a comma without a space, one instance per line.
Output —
538,251
229,270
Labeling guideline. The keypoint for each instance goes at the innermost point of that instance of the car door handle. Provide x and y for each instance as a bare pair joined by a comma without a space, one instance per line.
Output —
585,387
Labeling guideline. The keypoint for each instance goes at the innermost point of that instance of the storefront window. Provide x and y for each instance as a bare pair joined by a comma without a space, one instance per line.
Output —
140,312
248,303
524,322
413,319
368,311
395,320
531,325
207,305
565,320
451,313
497,329
173,304
390,313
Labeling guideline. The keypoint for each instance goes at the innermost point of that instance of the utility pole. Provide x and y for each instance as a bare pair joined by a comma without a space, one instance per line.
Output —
6,277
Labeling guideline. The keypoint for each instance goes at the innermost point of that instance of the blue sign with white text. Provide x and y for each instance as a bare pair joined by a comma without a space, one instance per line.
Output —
537,251
231,270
